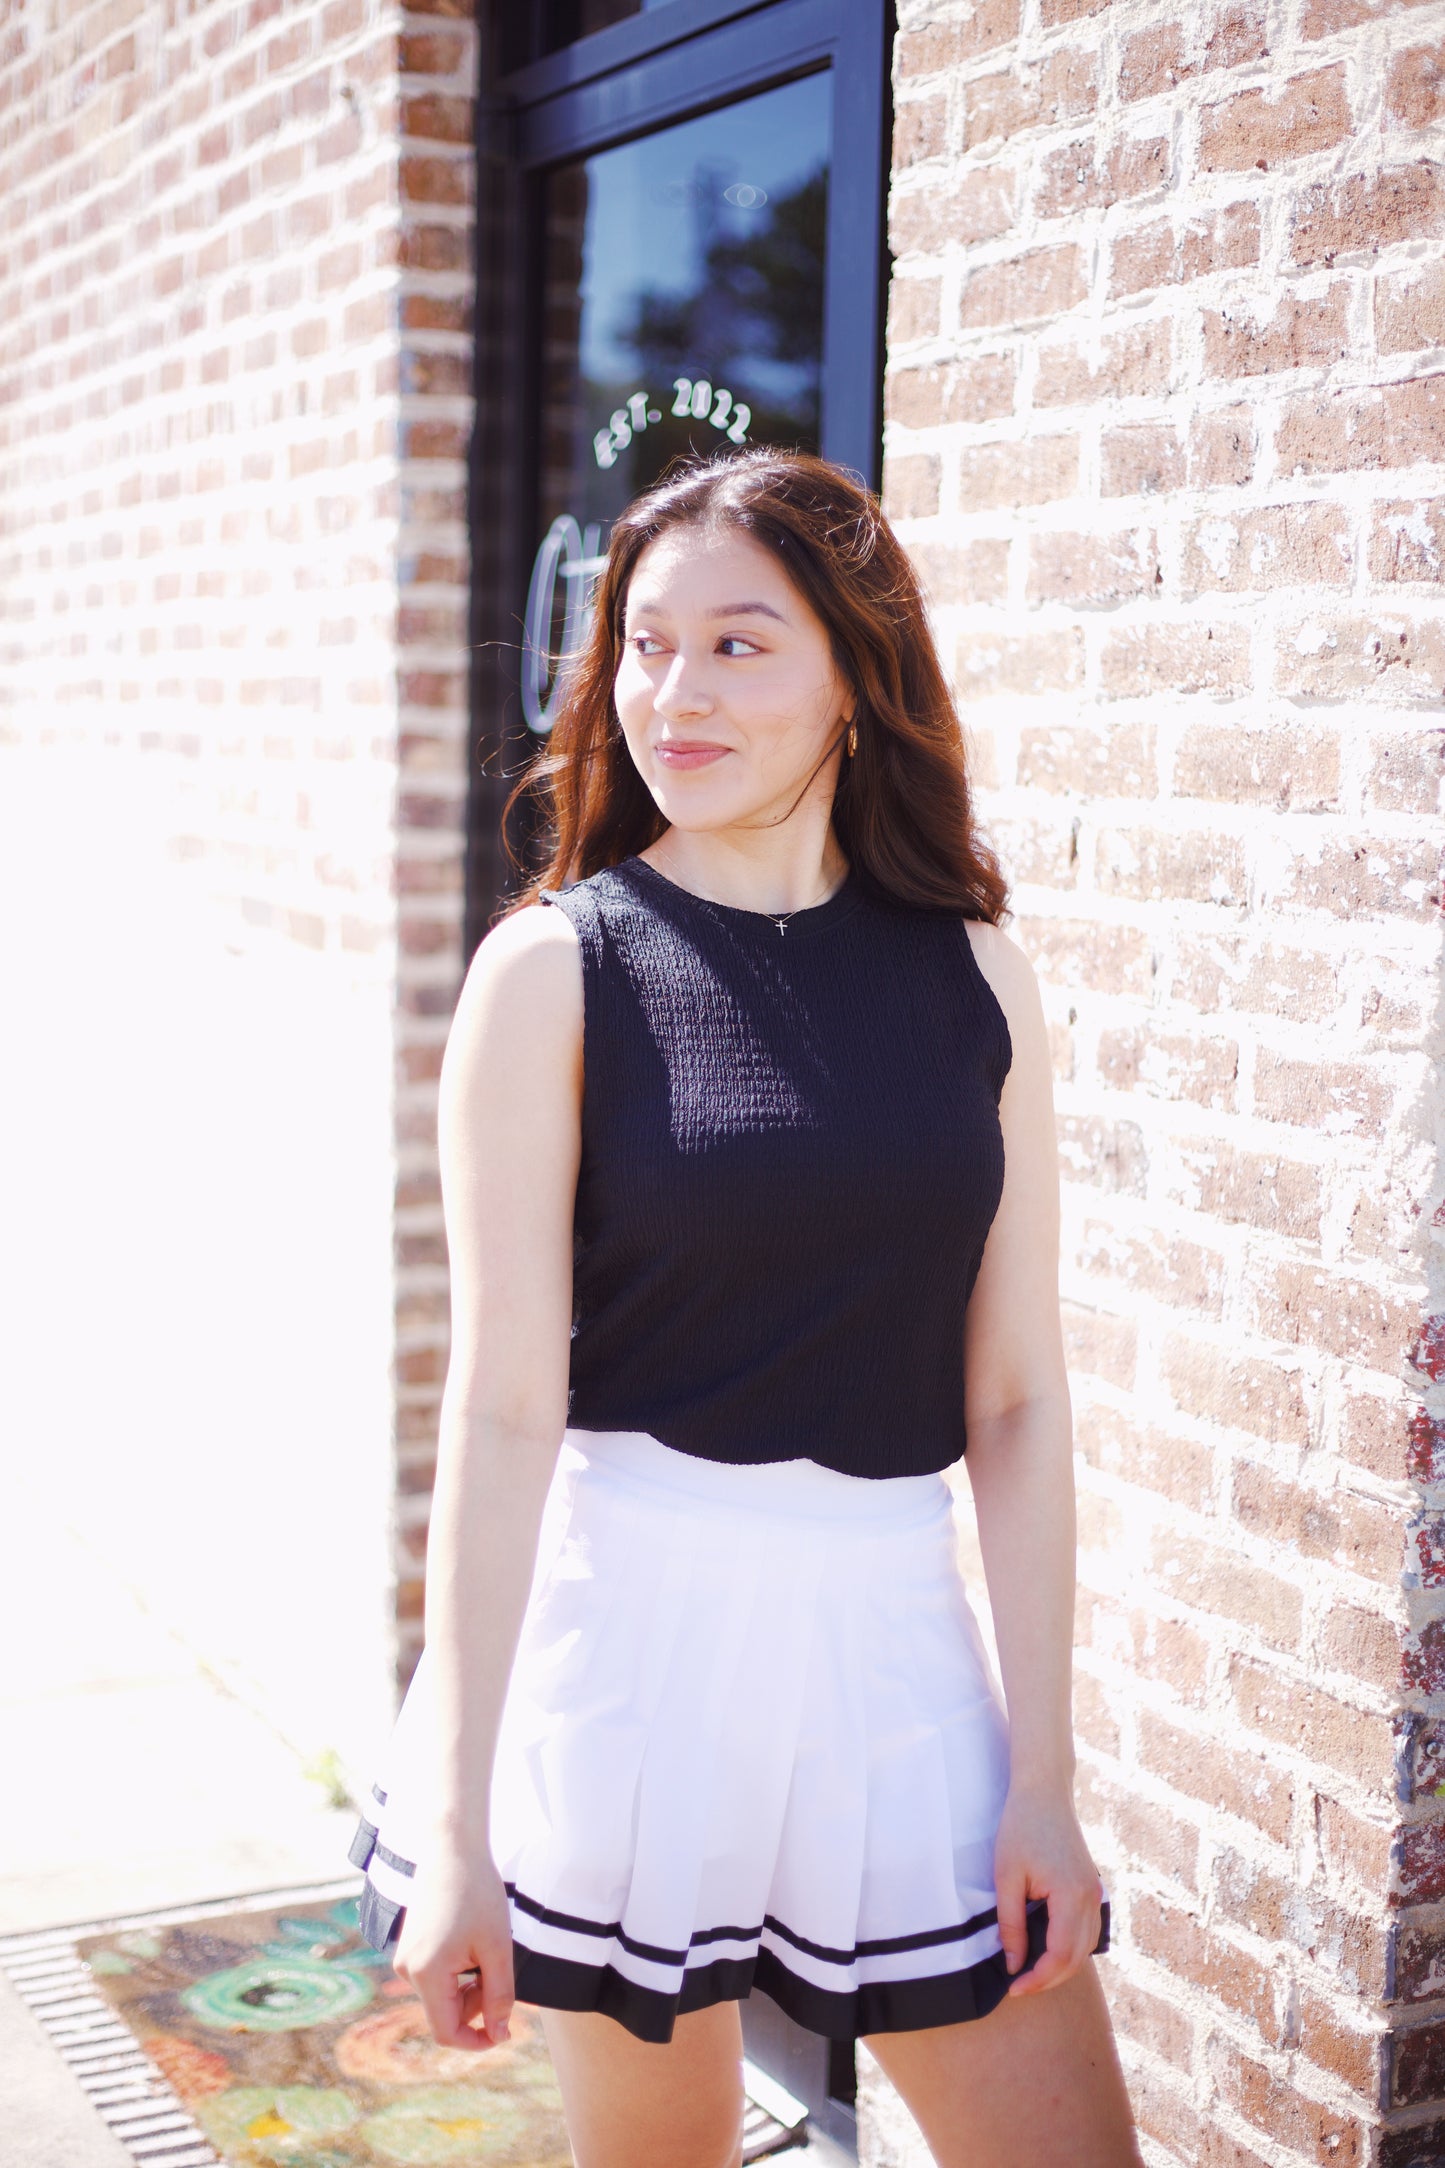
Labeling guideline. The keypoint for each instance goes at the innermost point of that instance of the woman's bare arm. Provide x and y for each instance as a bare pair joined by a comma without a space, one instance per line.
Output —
509,1125
1020,1464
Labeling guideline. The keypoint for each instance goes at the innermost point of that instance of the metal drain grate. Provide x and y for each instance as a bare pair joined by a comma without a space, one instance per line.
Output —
103,2055
124,2086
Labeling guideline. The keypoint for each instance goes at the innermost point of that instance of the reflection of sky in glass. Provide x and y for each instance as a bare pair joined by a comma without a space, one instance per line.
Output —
659,202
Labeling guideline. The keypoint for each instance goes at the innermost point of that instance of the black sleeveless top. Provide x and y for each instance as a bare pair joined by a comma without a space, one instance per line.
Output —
791,1157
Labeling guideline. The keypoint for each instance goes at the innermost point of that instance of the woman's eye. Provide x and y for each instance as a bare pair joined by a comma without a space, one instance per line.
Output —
644,643
731,640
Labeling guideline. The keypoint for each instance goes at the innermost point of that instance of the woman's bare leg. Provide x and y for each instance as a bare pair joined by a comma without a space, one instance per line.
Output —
628,2101
1035,2083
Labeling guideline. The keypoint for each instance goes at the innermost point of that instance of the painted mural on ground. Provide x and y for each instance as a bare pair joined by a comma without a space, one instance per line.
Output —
295,2045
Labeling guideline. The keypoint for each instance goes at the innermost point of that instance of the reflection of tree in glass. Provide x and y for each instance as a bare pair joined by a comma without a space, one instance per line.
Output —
759,298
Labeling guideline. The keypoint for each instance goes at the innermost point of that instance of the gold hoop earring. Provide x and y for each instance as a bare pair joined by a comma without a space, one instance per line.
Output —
852,739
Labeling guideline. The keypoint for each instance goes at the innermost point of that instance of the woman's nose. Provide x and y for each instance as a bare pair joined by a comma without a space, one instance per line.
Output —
682,691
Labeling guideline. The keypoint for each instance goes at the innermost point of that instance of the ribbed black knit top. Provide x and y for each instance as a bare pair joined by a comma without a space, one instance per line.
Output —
791,1158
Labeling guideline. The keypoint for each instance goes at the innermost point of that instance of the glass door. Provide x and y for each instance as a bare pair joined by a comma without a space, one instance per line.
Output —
682,313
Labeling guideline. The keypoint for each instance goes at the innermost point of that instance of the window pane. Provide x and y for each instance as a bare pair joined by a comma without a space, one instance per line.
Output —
683,312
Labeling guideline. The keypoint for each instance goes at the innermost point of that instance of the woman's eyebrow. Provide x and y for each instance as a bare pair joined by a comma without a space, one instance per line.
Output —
747,609
645,608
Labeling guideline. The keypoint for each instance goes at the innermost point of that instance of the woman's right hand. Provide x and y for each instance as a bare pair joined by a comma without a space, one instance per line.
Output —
458,1921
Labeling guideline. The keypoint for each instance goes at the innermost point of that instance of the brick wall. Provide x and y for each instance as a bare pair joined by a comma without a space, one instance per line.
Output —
1166,433
235,402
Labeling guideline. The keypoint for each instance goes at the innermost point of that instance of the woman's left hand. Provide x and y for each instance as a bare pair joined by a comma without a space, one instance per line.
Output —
1040,1852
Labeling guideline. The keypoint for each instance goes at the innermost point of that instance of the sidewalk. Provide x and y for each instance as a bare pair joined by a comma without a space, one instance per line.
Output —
136,1781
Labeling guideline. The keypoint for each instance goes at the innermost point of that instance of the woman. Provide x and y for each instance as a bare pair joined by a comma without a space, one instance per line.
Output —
752,1201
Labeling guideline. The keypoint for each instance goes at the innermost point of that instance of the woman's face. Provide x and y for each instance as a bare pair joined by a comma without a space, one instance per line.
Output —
727,691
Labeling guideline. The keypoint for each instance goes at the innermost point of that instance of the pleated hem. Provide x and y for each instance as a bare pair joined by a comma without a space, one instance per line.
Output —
552,1982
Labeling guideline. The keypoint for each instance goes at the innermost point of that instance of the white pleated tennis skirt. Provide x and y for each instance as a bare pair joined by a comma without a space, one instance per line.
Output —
751,1739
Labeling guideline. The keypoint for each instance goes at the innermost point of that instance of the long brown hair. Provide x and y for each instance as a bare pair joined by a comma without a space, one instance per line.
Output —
903,807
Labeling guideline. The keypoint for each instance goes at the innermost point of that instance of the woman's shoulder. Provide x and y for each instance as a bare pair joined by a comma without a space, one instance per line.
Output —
1006,968
523,977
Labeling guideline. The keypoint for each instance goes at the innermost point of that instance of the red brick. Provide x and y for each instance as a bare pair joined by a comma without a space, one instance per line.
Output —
1021,289
1422,1863
1148,2020
1278,545
1390,1438
977,207
1356,877
1301,334
910,485
1352,1944
435,180
1220,448
1417,2065
1108,1155
1410,309
1097,761
1153,60
1308,1305
936,46
1103,1347
962,572
1164,2111
1152,1063
1308,113
1140,459
1174,1655
1335,1098
1143,660
941,394
920,130
1060,88
1189,1951
1281,767
1169,1464
1362,1645
1248,1189
432,52
1209,1578
1350,1531
988,664
913,309
1224,1777
1086,176
1367,212
1415,86
438,118
1427,1349
1323,18
1420,1960
1096,571
1095,1724
1332,656
1031,470
1158,254
1289,1713
1404,772
1084,954
1035,852
1135,360
1407,540
1284,2113
1238,1391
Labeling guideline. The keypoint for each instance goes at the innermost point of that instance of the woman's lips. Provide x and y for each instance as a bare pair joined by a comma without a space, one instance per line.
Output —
689,756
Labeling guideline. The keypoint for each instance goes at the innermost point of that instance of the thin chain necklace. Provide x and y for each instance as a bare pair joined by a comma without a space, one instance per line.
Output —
779,919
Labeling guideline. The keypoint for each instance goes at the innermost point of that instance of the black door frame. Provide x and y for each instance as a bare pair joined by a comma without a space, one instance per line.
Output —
639,75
